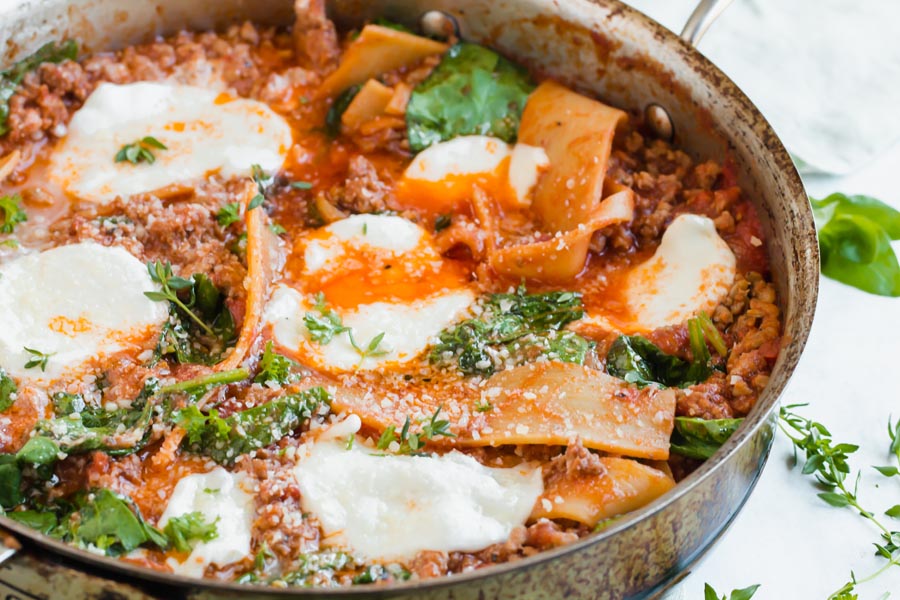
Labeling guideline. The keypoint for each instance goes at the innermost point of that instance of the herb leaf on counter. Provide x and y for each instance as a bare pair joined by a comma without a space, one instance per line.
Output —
225,439
519,325
855,234
13,214
743,594
51,52
700,438
473,91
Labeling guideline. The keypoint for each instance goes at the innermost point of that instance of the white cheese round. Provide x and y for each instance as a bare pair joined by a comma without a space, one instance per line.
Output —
76,303
215,495
692,270
385,508
205,131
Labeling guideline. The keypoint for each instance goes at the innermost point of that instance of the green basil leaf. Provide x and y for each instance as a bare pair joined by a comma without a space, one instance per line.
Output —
473,91
855,234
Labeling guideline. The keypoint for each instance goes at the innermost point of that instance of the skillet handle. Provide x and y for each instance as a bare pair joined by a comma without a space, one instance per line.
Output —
703,16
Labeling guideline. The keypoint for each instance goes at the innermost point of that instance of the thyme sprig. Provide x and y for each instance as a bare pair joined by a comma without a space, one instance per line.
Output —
38,358
171,284
411,442
829,462
140,151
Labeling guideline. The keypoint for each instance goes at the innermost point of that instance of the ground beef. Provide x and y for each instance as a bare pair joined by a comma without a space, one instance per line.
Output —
576,461
315,38
281,523
364,191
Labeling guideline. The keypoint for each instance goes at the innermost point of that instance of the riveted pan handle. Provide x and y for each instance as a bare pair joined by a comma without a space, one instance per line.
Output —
655,116
703,16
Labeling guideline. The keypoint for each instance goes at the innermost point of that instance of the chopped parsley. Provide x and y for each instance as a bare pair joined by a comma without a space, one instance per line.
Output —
13,214
189,527
275,368
140,151
263,182
323,323
229,214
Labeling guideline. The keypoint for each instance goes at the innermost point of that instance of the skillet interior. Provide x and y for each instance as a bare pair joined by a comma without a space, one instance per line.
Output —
619,55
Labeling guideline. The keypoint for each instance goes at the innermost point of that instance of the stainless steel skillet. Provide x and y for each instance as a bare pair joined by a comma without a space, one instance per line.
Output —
601,47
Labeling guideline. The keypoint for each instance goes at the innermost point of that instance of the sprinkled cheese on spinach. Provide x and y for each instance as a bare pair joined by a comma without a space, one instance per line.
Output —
274,368
51,52
514,327
473,91
225,439
8,391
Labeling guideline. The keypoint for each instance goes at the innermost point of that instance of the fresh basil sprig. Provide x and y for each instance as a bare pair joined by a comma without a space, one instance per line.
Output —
855,234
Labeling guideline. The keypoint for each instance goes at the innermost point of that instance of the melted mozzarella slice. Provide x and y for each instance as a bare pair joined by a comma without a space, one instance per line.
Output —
691,270
408,328
204,131
76,303
221,498
444,174
393,507
382,276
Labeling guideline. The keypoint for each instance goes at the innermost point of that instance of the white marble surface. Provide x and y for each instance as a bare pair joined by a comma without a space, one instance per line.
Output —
785,538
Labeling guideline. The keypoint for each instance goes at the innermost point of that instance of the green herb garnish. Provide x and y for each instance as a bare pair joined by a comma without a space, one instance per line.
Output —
7,391
225,439
473,91
275,368
13,214
409,441
263,183
189,527
38,358
229,214
140,151
442,222
336,111
371,350
323,323
855,234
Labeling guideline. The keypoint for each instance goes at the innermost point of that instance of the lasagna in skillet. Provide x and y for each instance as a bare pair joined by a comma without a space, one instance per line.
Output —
298,308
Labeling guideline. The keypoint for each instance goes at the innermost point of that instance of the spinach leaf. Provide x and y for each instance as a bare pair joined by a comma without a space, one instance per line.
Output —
519,325
107,521
39,454
224,439
855,234
189,527
473,91
700,438
10,481
8,391
79,428
639,361
202,327
338,106
45,522
11,78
